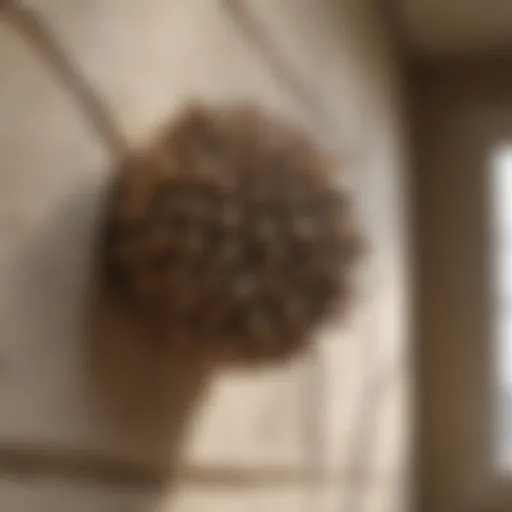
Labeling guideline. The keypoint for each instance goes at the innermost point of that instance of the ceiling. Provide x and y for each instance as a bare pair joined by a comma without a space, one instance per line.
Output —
454,27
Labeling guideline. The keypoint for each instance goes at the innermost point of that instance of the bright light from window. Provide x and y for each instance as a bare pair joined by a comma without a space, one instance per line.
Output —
502,287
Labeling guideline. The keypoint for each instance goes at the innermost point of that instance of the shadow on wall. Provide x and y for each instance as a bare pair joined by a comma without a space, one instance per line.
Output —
109,410
123,408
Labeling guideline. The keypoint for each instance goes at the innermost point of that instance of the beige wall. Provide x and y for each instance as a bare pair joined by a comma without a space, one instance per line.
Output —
84,429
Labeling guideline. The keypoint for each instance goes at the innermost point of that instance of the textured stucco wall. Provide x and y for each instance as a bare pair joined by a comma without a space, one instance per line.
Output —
255,440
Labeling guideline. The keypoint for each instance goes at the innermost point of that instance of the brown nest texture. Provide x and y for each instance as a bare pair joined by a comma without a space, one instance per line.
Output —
230,233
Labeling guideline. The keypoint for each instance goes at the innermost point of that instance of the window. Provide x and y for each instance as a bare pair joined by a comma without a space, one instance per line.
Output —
501,218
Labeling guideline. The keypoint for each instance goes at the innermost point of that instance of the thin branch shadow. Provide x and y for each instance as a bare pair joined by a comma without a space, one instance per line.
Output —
29,26
254,33
376,386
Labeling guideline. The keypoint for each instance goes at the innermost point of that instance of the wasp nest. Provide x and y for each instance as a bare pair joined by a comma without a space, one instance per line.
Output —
230,233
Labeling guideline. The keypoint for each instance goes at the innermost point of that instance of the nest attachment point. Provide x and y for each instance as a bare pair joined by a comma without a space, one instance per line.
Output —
230,233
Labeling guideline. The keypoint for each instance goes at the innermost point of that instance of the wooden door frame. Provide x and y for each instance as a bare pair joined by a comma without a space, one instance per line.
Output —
461,108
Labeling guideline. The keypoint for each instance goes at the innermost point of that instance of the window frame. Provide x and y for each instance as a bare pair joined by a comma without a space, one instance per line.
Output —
460,115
